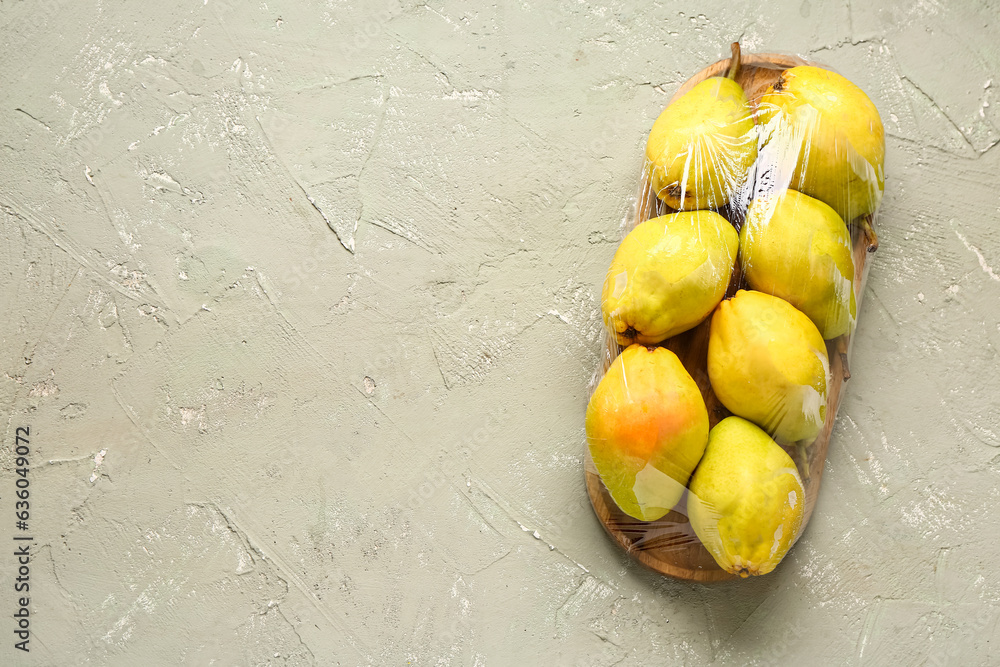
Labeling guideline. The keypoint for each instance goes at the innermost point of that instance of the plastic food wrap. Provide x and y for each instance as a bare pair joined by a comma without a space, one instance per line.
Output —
729,308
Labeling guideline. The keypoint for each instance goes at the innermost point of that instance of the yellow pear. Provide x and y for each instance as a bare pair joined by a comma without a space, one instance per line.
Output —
668,275
823,137
768,363
746,502
647,427
798,248
703,145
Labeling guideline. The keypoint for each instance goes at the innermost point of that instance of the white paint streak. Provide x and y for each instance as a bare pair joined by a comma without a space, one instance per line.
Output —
987,269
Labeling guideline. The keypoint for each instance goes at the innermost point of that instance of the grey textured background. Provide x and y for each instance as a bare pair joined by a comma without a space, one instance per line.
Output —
301,303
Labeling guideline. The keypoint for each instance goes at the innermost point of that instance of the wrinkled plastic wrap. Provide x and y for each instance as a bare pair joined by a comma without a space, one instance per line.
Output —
729,308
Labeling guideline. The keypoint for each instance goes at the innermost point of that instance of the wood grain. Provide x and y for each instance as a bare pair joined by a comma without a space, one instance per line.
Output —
669,545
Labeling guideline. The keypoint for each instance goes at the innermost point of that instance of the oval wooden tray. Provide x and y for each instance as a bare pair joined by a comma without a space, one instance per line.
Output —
669,545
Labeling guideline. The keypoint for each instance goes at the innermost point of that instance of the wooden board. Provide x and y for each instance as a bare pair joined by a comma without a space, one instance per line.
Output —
669,545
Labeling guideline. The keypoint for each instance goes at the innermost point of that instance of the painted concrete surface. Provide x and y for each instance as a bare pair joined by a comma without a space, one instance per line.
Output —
301,305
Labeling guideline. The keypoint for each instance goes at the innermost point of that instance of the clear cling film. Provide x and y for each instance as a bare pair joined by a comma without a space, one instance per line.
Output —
729,309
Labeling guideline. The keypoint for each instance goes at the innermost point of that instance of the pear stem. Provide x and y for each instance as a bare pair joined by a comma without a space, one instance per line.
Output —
734,64
802,447
869,231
